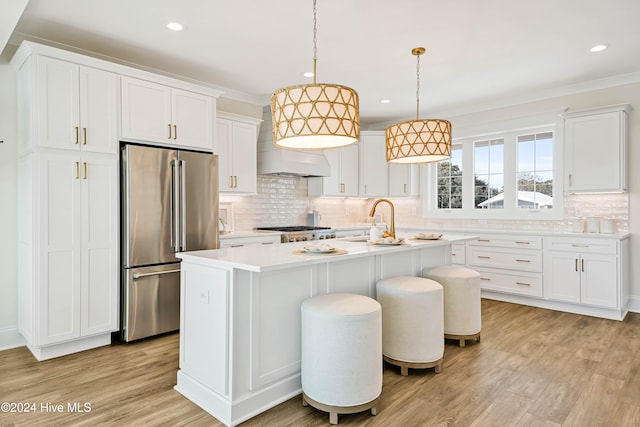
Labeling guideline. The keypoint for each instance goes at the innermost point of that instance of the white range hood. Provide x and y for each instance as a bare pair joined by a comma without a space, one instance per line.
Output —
278,161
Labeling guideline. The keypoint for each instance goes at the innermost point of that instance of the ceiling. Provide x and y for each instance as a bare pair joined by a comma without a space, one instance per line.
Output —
479,53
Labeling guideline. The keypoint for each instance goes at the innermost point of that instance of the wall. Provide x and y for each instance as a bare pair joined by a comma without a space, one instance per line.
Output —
8,212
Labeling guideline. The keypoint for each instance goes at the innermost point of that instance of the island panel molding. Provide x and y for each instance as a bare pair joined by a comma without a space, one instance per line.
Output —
258,322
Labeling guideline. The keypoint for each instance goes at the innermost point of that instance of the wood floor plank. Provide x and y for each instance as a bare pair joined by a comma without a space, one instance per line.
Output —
532,368
505,411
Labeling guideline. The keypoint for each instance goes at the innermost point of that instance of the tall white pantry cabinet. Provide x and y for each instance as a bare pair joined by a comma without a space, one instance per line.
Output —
68,204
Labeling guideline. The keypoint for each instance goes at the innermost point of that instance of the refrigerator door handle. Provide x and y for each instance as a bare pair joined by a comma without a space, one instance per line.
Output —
183,206
175,206
157,273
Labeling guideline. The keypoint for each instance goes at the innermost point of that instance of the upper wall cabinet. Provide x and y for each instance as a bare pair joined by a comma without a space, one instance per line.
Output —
404,180
343,180
374,171
596,150
76,106
157,113
236,147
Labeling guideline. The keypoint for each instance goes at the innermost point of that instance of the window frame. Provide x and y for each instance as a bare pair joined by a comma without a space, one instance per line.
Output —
510,211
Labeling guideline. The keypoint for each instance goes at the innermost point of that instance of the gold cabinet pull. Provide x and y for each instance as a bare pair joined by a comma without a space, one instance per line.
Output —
231,181
523,283
77,170
77,134
404,189
483,257
486,279
84,168
523,260
175,132
169,130
583,265
84,136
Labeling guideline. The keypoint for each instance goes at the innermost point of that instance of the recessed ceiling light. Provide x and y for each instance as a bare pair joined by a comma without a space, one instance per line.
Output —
598,48
308,74
174,26
385,101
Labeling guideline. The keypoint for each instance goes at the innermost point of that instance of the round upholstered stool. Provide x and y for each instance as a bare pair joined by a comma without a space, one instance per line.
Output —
462,316
341,354
412,322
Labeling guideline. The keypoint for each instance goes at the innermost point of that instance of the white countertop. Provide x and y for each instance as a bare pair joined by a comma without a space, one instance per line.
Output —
247,233
550,233
259,258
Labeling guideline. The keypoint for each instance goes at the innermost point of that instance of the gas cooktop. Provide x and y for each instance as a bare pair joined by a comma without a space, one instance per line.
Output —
302,233
294,228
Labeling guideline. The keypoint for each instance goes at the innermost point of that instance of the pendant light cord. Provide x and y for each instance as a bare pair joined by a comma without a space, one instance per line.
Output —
417,88
315,40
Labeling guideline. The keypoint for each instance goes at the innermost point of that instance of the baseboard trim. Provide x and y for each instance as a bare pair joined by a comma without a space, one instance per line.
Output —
634,304
10,338
605,313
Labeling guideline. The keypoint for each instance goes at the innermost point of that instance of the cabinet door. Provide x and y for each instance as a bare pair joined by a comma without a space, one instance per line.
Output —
373,166
58,299
99,244
562,276
192,116
593,159
349,170
146,111
224,134
599,281
98,111
244,158
332,184
403,180
57,98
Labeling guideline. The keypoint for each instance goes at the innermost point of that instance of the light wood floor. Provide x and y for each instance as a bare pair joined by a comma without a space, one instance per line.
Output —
534,367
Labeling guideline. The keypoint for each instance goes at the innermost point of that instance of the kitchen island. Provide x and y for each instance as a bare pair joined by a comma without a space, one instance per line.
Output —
240,314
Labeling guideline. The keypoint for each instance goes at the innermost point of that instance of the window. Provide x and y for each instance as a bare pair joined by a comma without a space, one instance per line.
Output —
508,175
450,180
535,171
488,161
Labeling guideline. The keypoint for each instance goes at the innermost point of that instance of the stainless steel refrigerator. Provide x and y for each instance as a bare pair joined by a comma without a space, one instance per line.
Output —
169,204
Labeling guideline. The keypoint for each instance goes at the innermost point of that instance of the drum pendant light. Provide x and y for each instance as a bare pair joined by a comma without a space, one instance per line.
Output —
315,116
419,141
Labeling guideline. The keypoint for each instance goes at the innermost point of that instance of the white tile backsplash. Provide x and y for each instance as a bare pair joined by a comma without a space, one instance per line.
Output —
283,200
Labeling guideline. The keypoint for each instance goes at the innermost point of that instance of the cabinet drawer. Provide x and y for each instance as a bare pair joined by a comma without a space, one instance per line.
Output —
529,284
458,254
582,245
519,260
522,242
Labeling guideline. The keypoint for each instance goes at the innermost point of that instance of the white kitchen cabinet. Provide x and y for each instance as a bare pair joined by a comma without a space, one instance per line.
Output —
69,250
583,271
76,106
404,180
152,112
507,264
596,150
236,147
374,170
343,179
